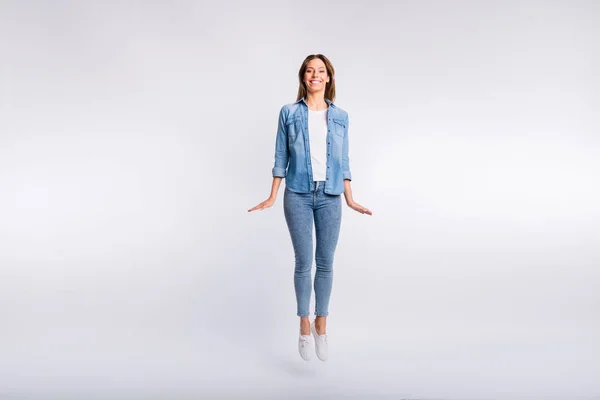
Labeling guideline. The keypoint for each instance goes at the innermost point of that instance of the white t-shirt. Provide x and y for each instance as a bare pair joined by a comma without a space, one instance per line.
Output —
317,132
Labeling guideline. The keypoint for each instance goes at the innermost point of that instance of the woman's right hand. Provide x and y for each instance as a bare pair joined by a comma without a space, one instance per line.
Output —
265,204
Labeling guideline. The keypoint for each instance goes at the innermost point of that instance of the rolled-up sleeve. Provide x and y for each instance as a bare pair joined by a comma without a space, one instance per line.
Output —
281,146
346,174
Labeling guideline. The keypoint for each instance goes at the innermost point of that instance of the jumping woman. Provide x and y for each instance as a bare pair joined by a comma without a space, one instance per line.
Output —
311,153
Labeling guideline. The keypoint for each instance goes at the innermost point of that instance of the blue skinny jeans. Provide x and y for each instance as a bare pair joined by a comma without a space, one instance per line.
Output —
301,209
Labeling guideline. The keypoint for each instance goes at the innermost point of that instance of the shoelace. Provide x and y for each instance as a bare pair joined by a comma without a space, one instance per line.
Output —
322,337
304,340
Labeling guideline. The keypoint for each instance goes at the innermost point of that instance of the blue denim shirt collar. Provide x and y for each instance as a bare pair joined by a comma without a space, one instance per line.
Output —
329,102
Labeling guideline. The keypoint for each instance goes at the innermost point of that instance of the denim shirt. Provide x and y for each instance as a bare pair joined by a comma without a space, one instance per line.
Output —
292,149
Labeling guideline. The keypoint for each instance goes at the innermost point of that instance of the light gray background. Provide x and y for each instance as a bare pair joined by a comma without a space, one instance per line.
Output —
135,135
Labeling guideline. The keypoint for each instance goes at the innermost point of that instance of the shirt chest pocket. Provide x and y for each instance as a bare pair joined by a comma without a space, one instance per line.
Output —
294,128
339,127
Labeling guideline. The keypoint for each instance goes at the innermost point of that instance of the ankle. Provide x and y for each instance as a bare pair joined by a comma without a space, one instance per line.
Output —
305,325
320,321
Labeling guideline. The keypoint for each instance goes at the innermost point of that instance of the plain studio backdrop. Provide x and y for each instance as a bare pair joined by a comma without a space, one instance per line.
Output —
134,137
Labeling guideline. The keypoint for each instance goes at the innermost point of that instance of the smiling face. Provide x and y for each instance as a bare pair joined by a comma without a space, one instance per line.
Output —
315,75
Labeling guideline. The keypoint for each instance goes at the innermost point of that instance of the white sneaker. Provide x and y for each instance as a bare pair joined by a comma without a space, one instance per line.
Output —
305,346
320,342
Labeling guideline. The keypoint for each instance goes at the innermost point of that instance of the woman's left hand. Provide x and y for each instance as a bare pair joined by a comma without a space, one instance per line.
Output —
357,207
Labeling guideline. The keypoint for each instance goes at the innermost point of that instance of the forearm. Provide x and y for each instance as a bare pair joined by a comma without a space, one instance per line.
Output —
348,191
275,187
